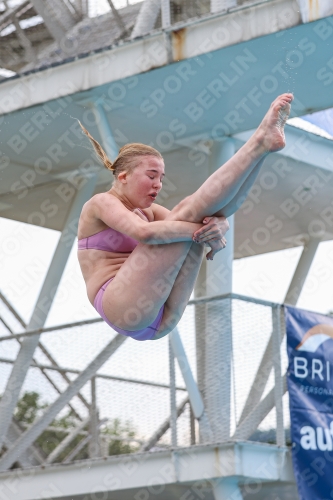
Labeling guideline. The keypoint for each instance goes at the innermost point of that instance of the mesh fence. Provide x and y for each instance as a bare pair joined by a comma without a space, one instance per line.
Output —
33,35
133,386
252,327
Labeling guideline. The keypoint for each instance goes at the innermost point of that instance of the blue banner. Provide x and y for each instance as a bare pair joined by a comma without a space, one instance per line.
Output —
310,384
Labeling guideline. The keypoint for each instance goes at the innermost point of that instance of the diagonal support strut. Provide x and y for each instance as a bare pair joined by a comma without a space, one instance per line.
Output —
40,425
44,302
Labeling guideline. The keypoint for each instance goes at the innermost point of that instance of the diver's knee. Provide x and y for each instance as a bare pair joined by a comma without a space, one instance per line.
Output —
169,321
183,211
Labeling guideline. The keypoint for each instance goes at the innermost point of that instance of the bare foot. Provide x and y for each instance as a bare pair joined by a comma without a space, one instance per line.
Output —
271,130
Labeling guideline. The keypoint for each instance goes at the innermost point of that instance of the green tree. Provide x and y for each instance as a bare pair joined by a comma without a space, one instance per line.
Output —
124,432
30,407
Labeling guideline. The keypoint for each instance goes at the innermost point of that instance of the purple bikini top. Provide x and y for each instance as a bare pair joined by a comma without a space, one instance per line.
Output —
109,240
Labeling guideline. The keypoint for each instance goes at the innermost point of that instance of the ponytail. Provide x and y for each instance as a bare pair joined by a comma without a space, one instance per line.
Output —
127,156
99,150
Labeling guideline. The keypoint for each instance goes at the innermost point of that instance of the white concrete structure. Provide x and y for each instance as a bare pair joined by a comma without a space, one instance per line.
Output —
183,473
195,91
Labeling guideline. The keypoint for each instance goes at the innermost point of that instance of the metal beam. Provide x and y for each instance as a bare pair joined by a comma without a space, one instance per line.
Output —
266,364
163,428
6,17
264,370
257,415
130,59
55,428
43,306
193,392
196,401
38,427
94,448
81,7
198,301
165,13
65,12
118,18
65,442
29,53
46,375
200,331
57,17
12,310
173,403
147,17
221,5
113,477
51,21
301,272
191,385
302,146
72,454
108,141
62,369
278,386
32,455
235,296
192,426
260,381
64,376
86,440
39,331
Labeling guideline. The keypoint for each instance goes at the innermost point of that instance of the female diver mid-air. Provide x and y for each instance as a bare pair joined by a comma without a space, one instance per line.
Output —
140,260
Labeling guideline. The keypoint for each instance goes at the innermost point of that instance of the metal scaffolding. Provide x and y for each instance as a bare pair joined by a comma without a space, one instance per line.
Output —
245,415
219,377
34,33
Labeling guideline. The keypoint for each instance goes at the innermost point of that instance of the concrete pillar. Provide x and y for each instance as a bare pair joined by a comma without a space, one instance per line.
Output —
213,326
219,270
227,489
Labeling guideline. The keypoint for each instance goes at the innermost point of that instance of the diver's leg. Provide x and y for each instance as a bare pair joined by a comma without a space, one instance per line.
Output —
181,290
143,284
241,195
224,184
145,281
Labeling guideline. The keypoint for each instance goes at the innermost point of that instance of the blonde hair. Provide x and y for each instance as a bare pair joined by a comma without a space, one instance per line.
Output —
127,155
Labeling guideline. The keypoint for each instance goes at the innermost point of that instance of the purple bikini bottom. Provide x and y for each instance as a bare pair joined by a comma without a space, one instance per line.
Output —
146,334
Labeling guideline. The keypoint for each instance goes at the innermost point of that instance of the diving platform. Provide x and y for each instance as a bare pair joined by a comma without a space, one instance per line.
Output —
184,473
